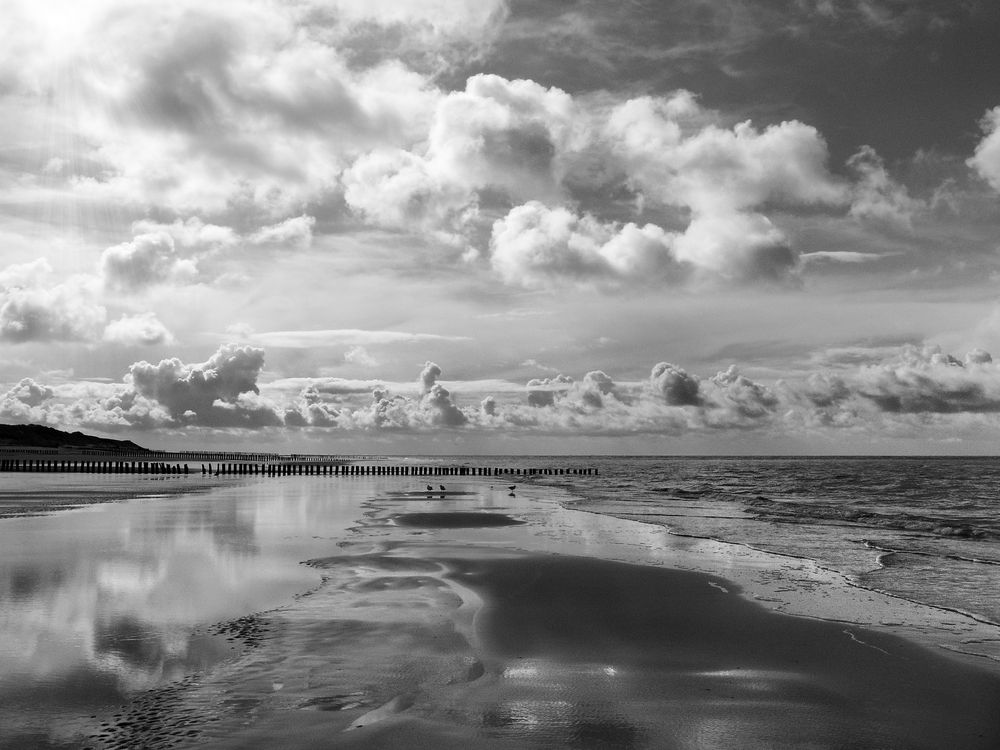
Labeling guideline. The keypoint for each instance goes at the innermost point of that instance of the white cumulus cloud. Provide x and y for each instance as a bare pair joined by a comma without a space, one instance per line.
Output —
986,160
534,246
138,330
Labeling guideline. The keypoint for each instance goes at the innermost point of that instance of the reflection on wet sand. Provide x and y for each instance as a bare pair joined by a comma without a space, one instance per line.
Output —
99,603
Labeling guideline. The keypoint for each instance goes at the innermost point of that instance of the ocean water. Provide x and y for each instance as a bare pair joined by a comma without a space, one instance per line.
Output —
924,529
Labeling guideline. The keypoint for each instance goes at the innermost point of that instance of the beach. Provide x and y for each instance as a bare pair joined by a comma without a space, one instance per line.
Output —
368,612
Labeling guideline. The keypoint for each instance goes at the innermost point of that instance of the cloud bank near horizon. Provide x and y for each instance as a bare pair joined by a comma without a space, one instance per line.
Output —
892,391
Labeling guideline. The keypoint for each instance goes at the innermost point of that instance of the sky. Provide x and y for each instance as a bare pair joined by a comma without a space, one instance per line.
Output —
501,226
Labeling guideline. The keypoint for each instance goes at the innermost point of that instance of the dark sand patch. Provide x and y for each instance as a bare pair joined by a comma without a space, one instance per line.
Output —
591,653
454,520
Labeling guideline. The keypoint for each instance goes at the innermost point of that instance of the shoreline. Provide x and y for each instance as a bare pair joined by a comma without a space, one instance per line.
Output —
845,577
949,618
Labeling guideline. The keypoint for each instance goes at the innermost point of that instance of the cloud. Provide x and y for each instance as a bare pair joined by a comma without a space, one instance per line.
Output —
443,410
149,259
217,392
514,138
876,196
344,337
534,246
543,391
429,376
741,400
736,246
532,362
467,18
489,406
190,251
676,386
296,232
29,393
429,35
891,389
930,381
358,355
138,330
21,403
234,106
401,190
437,400
594,387
432,408
912,381
840,256
192,235
676,160
33,308
31,274
986,160
516,146
674,154
507,134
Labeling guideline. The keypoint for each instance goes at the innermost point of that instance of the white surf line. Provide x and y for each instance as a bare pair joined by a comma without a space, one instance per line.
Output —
946,556
847,578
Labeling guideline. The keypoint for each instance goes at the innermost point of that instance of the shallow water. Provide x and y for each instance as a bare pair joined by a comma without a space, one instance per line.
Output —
107,600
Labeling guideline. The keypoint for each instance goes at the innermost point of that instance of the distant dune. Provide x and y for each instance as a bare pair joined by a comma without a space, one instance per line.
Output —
39,436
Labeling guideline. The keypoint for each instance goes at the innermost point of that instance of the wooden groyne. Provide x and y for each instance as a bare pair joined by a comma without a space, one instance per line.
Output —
92,467
409,470
304,466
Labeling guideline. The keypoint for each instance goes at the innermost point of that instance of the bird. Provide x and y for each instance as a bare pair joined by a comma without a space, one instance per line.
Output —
442,487
429,488
511,488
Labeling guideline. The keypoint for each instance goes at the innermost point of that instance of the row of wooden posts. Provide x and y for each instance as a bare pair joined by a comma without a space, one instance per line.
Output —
279,469
92,467
420,470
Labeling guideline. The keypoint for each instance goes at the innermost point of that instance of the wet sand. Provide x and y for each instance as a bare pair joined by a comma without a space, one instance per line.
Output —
485,621
584,653
601,654
554,650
